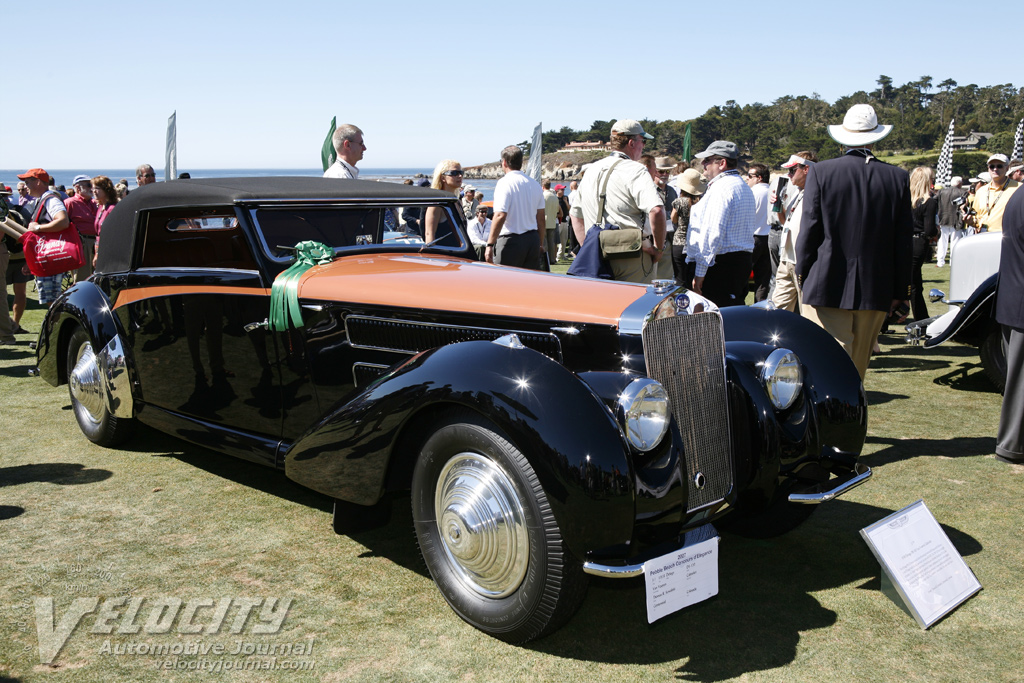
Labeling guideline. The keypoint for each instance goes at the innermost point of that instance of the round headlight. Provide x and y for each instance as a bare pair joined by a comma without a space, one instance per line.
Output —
782,377
644,413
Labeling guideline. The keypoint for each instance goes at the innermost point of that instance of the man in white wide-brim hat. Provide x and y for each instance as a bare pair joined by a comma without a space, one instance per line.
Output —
853,254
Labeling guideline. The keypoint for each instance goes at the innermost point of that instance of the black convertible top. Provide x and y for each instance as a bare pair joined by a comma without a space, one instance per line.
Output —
119,228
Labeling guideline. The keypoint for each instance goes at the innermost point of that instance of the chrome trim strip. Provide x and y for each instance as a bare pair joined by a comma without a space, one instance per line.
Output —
403,321
180,269
114,376
376,366
860,474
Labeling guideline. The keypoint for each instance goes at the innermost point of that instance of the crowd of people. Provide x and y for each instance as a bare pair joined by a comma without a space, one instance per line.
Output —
843,242
43,207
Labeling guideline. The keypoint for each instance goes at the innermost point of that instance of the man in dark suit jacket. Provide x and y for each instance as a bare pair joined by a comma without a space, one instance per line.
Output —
1010,313
853,255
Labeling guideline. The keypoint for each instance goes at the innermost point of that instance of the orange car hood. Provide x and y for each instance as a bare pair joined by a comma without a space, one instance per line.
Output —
451,284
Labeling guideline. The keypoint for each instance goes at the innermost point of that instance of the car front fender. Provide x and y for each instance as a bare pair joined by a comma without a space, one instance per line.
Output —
565,431
824,429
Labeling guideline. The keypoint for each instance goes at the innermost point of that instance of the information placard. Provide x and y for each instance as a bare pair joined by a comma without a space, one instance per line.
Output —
681,578
920,563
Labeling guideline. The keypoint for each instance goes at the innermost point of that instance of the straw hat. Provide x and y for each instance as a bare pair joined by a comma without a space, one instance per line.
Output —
664,163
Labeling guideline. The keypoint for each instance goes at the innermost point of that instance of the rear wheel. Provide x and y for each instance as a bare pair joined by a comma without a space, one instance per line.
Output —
488,536
88,399
993,358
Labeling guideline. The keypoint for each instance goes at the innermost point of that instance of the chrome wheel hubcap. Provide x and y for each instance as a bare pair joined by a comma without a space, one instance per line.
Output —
482,527
86,386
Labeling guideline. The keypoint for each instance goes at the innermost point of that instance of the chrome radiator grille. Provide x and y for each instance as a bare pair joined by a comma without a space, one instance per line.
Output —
686,354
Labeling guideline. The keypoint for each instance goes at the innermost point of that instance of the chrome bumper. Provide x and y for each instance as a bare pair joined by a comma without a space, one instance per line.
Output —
626,571
837,487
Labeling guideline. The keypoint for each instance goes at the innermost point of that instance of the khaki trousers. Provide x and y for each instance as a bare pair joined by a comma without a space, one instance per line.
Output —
787,293
856,331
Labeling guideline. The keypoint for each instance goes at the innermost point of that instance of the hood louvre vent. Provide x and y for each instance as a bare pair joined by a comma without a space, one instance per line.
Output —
408,336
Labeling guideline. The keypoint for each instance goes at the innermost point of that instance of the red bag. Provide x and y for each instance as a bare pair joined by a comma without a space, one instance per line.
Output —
52,253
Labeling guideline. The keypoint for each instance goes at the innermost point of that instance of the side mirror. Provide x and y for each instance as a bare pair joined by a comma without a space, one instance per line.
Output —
936,295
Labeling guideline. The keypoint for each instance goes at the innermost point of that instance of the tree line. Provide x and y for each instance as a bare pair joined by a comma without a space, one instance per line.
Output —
768,133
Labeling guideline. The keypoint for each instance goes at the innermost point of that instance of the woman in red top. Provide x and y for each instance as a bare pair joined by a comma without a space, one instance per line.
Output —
106,196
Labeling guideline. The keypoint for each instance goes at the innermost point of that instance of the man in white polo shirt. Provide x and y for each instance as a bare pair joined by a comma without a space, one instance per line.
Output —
517,230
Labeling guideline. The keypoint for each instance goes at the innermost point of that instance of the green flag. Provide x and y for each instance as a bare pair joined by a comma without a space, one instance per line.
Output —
686,146
327,153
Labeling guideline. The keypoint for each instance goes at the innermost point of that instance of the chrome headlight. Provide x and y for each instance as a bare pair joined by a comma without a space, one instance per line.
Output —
644,413
782,377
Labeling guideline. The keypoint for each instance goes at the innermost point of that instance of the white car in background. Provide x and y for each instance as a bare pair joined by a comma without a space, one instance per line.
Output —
971,315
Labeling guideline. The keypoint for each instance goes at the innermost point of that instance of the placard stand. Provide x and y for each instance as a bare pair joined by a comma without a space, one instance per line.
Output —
921,570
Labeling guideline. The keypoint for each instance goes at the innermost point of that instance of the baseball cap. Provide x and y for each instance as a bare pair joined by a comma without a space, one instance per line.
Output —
81,178
37,173
999,157
630,127
720,148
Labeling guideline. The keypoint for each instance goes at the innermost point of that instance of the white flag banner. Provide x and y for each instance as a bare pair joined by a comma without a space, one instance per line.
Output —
171,158
533,165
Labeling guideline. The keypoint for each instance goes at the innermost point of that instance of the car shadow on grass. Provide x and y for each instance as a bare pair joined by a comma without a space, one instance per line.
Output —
63,473
967,376
877,398
148,441
765,601
894,450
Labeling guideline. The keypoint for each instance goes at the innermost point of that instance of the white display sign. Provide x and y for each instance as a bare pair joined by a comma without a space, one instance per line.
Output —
920,563
681,578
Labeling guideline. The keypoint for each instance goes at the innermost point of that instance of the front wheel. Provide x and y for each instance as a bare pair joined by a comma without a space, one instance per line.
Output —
85,385
488,536
993,358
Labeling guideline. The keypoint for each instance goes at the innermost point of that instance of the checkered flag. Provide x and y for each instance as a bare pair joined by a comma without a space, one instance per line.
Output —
944,172
1018,141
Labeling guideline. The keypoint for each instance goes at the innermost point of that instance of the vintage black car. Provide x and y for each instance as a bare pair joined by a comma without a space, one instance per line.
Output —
548,427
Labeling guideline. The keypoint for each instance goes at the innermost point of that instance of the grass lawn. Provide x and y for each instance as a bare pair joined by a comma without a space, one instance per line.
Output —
164,519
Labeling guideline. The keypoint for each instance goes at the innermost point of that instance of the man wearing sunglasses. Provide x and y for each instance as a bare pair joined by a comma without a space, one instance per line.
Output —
144,175
990,200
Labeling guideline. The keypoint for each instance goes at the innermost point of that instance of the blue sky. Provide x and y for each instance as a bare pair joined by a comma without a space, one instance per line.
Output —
256,84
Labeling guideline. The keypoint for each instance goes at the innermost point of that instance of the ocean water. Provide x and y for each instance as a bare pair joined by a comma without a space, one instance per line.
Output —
391,175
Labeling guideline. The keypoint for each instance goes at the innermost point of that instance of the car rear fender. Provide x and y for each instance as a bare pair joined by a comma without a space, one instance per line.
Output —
85,305
370,442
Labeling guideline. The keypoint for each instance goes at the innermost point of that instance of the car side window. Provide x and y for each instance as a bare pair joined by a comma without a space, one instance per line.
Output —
196,239
281,228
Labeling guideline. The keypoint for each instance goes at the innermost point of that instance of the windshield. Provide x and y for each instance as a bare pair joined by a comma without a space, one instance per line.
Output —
349,227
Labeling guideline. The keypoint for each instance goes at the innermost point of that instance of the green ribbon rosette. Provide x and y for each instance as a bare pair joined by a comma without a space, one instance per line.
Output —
285,311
